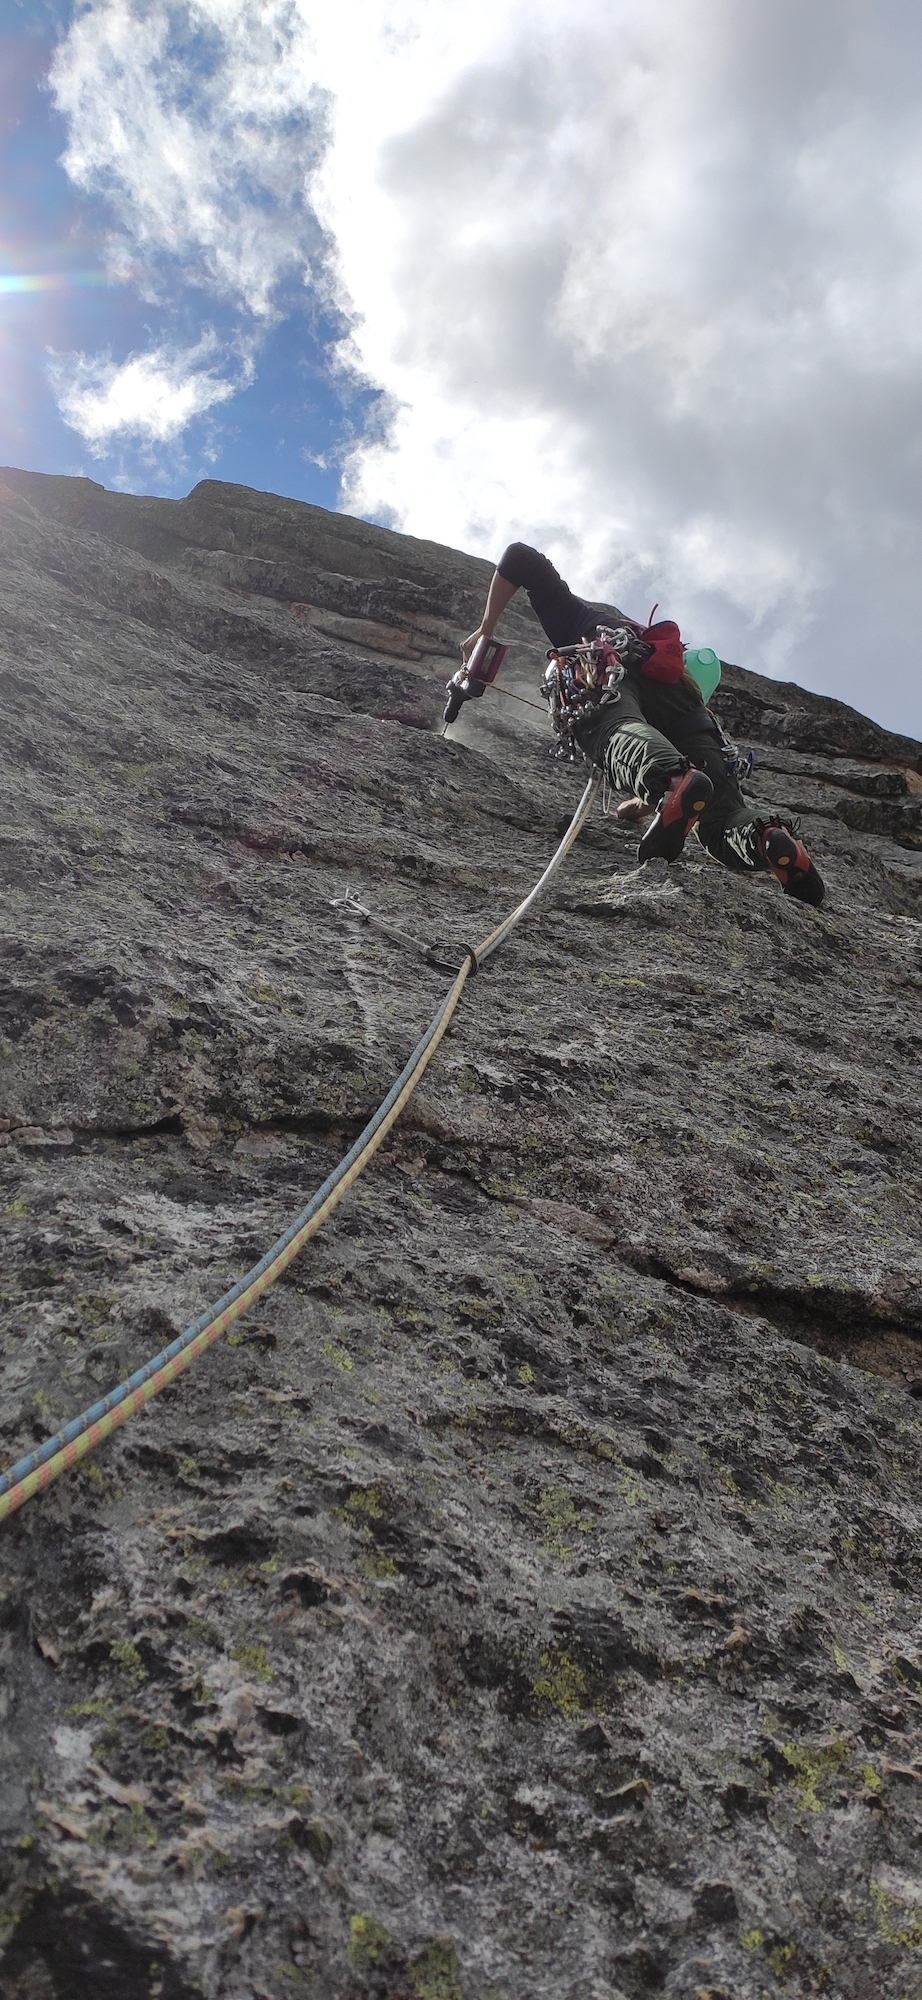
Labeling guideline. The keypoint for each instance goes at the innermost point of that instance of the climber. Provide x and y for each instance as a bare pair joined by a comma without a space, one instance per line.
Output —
655,739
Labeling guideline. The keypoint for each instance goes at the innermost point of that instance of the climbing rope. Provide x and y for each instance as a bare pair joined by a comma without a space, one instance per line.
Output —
539,707
82,1435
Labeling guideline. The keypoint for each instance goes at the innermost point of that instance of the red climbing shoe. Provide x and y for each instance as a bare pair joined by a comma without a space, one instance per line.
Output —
668,831
791,865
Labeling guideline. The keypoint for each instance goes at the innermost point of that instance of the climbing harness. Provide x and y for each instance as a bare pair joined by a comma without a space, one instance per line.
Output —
582,678
83,1434
739,763
579,679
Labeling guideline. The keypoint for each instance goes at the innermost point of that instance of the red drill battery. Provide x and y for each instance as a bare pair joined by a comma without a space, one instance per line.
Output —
474,678
485,662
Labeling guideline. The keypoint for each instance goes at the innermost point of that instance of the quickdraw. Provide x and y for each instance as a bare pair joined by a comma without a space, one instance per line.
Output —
579,679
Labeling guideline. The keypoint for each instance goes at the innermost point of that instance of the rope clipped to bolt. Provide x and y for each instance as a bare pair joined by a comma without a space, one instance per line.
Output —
84,1433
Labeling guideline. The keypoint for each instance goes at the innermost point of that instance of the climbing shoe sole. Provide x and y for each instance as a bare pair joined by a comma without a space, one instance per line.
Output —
789,862
685,801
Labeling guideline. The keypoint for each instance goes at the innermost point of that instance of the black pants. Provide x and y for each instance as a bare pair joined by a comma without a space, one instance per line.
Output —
653,731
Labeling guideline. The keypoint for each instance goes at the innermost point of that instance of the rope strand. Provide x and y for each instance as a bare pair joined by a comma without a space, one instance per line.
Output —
38,1468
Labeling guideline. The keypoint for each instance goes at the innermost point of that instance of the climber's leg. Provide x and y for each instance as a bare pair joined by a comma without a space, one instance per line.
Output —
728,827
637,758
786,857
566,618
679,810
747,842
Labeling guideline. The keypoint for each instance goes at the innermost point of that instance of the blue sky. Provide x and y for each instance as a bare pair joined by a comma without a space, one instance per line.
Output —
636,281
283,431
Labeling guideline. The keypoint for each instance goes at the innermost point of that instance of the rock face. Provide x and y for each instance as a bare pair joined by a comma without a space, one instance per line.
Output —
522,1603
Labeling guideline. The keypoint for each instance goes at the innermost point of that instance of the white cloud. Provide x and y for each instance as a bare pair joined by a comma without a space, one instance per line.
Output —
150,397
203,124
641,278
652,299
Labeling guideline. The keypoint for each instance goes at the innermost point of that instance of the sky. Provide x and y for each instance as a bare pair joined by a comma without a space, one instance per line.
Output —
636,281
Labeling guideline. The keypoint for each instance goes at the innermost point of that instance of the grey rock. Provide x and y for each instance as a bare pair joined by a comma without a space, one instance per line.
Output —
716,1902
523,1600
900,822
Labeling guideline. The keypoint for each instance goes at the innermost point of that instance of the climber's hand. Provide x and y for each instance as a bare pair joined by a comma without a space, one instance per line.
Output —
467,645
632,811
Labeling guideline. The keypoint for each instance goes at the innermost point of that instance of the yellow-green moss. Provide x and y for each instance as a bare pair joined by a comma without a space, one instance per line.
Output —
91,1306
369,1943
252,1792
128,1656
522,1283
253,1659
631,1491
123,1830
436,1974
559,1518
811,1766
135,1829
908,1934
374,1563
562,1683
779,1958
479,1310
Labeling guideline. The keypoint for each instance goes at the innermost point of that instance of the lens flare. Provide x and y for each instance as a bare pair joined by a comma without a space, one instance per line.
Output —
49,281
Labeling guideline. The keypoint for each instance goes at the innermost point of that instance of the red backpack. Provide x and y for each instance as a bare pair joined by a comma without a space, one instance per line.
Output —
665,660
